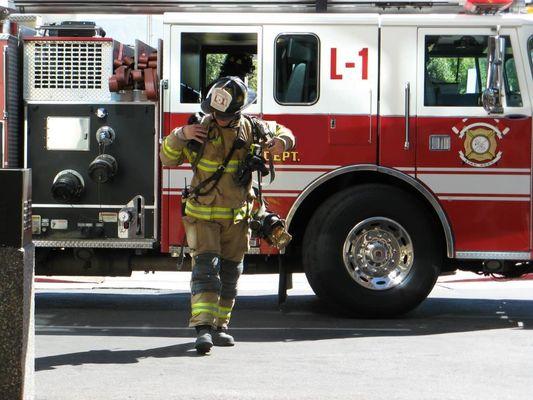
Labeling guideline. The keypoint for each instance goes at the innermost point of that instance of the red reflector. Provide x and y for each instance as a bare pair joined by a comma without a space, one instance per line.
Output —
487,6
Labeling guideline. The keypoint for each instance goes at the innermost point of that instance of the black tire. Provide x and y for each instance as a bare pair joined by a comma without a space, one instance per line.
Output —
328,229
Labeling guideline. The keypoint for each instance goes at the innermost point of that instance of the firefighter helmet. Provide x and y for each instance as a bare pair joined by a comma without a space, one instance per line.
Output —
228,97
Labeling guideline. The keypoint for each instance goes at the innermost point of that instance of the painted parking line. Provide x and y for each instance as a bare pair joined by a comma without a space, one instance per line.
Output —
172,328
528,277
73,279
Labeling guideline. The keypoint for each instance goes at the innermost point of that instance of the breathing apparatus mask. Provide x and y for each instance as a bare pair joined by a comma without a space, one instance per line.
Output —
264,224
271,227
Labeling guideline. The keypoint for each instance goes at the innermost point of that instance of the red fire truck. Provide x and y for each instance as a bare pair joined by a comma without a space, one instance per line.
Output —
413,158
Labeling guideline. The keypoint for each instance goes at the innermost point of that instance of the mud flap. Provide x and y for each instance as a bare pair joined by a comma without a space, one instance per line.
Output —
285,282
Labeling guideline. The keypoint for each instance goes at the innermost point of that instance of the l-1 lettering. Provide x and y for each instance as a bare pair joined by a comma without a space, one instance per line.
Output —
334,73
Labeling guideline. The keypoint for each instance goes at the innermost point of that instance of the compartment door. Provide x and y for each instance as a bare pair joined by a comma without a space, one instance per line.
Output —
478,165
321,82
199,55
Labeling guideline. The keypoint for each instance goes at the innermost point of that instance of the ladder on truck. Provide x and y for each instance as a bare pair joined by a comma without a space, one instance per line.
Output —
298,6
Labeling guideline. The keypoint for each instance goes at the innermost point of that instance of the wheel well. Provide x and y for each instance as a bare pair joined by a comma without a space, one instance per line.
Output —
320,194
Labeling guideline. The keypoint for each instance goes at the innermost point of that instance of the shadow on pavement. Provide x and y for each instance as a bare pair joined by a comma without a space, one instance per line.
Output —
256,319
114,356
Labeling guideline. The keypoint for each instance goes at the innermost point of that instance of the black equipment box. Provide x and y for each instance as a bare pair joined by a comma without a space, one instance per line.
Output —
89,161
74,29
15,208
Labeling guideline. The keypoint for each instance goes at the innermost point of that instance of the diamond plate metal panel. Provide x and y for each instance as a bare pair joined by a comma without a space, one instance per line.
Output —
98,243
60,70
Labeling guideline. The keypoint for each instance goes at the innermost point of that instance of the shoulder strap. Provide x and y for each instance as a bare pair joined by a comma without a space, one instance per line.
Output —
258,135
194,163
255,129
215,178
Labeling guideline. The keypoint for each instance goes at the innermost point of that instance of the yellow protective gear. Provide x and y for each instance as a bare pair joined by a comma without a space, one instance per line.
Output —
216,224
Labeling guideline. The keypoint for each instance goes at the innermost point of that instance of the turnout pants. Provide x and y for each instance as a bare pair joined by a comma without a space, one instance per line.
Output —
217,250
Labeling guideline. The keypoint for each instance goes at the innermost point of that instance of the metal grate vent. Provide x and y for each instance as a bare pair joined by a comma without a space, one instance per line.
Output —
68,70
68,65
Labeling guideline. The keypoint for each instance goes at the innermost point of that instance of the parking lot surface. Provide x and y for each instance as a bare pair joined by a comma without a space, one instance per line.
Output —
126,338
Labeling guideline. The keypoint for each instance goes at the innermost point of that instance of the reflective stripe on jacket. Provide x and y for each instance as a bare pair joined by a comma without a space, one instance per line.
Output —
211,213
227,200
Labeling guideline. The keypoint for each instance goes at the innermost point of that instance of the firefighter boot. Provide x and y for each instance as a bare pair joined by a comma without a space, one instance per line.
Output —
204,341
221,337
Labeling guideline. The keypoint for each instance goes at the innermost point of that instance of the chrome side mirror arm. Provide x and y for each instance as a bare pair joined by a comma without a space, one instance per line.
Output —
492,98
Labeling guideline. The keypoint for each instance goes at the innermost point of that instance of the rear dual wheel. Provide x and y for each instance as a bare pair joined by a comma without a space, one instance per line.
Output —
373,250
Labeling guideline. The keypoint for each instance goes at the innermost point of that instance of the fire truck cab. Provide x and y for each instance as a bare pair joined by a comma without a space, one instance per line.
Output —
413,153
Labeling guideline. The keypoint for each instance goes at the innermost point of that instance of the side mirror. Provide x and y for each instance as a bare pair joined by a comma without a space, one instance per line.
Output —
493,94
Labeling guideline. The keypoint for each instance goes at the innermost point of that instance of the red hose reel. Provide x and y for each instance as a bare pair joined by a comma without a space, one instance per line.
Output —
127,76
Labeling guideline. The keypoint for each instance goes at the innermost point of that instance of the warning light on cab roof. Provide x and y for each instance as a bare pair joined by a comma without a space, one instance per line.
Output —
486,6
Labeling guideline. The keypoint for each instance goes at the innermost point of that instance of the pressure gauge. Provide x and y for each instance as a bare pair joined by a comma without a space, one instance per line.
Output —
124,216
480,144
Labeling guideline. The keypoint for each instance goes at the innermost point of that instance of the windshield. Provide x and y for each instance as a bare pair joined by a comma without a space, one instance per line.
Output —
456,71
530,51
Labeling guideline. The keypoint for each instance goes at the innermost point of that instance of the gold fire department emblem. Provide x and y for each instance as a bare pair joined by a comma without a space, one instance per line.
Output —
480,143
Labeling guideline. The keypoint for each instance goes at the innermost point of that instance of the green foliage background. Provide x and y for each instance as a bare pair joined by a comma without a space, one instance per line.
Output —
213,63
455,70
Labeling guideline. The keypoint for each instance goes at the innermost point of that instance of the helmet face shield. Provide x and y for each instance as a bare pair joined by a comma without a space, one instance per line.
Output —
228,97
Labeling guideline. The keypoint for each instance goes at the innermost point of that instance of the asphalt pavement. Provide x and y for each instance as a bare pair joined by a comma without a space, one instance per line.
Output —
126,338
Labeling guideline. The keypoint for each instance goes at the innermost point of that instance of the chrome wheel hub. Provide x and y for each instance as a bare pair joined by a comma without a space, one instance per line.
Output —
378,253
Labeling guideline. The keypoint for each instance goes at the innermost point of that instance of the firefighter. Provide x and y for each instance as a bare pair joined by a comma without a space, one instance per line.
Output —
218,207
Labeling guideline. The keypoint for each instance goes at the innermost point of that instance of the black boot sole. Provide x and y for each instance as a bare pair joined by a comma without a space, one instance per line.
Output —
223,344
203,348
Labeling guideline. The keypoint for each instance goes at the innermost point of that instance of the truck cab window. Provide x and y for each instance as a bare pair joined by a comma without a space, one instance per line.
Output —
296,75
456,71
512,90
530,51
207,56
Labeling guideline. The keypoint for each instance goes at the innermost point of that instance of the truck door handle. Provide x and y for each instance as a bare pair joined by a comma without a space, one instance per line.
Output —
163,85
407,95
5,61
516,116
370,118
